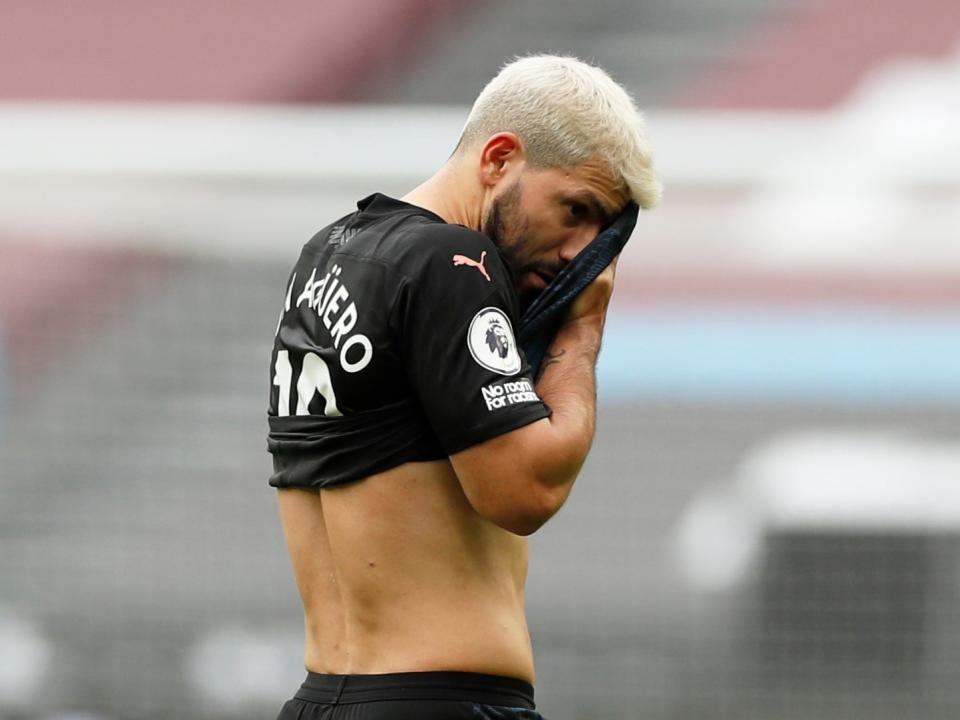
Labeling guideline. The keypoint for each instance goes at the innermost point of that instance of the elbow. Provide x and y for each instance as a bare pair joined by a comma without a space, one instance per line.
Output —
538,505
528,480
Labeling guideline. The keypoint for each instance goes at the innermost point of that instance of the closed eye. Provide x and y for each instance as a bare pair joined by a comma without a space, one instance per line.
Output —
578,210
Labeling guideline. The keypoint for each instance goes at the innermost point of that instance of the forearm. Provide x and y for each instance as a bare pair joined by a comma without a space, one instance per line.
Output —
567,384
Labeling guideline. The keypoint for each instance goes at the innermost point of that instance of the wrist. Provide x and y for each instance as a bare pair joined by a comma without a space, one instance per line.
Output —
586,327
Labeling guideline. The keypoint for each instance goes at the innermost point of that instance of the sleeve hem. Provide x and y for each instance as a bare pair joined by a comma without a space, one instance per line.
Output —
485,431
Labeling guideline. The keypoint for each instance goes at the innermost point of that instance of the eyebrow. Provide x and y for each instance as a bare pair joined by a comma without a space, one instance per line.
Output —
590,199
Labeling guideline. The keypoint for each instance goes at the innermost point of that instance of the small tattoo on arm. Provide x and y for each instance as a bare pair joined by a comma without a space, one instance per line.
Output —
551,358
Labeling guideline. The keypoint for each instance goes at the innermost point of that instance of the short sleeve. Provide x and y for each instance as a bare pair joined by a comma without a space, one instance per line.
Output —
456,315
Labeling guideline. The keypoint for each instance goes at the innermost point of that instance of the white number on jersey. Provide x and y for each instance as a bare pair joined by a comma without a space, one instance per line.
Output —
314,378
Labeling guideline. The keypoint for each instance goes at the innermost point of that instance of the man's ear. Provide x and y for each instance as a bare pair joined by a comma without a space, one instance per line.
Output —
500,155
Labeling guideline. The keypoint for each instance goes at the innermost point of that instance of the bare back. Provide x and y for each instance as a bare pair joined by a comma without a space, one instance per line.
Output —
398,573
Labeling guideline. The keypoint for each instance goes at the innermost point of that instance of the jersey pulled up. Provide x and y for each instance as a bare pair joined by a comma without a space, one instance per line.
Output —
395,344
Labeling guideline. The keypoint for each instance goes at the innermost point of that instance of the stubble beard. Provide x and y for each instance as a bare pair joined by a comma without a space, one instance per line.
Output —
508,229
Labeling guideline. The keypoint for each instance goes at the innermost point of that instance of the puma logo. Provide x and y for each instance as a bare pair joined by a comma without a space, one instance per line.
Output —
478,264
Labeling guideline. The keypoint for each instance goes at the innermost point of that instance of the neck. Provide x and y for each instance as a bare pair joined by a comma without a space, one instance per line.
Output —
450,195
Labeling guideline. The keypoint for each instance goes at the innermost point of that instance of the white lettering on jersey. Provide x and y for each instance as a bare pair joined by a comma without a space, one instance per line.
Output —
330,299
367,349
501,394
333,305
307,294
344,324
491,343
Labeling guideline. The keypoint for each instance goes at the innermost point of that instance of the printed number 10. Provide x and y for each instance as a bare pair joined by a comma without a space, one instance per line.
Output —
314,378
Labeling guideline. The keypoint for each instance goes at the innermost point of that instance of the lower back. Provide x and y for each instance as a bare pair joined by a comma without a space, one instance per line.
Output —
398,573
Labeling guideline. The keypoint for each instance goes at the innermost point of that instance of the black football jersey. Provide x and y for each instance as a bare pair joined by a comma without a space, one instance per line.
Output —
395,344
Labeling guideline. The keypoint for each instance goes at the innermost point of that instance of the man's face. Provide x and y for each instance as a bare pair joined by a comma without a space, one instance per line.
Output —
543,218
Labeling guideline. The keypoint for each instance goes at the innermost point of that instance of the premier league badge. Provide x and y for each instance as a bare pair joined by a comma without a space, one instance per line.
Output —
491,342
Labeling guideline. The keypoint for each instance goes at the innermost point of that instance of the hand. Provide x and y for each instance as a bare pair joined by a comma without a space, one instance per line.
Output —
572,297
593,302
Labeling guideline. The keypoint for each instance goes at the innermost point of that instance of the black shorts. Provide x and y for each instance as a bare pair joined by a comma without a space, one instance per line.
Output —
411,696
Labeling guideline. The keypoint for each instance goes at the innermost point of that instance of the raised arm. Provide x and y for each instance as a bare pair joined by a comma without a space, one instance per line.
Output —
520,479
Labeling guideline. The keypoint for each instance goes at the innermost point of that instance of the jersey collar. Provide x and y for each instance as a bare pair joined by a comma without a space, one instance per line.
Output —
379,204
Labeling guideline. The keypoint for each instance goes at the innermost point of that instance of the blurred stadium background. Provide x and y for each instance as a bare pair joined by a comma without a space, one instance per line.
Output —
768,524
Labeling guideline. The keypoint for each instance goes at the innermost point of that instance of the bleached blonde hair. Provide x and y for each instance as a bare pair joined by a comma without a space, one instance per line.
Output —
566,112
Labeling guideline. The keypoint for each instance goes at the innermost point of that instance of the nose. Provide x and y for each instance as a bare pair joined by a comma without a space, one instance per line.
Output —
578,240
